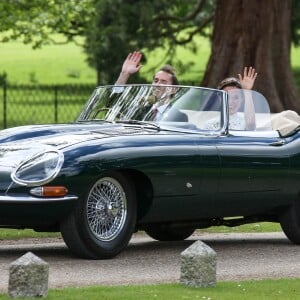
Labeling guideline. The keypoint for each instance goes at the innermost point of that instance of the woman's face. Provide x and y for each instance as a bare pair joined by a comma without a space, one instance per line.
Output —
235,98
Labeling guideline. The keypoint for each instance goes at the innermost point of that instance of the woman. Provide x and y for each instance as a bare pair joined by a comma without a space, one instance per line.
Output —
236,96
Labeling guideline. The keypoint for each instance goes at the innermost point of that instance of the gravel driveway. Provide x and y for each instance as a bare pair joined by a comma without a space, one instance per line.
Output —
239,257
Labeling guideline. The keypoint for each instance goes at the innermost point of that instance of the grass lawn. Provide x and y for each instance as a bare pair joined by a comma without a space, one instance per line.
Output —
266,289
53,64
15,234
240,290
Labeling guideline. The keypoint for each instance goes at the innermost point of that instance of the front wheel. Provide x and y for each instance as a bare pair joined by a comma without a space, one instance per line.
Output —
104,220
290,222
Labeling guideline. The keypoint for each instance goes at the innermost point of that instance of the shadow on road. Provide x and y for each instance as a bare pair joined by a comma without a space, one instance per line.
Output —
142,245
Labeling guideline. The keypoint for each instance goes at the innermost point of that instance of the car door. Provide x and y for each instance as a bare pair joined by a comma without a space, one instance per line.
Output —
185,184
254,171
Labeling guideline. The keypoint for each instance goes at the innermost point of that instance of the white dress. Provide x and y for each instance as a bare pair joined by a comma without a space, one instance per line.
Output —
236,122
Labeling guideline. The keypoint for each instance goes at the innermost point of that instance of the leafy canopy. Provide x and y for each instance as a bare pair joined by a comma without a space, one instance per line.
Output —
35,21
112,28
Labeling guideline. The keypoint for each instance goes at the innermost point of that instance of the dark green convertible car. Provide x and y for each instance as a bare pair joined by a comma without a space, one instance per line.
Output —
163,159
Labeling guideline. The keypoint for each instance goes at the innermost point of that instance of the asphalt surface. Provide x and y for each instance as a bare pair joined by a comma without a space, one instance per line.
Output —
145,261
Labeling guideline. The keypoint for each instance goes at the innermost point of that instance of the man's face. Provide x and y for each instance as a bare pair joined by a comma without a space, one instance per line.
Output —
161,78
235,98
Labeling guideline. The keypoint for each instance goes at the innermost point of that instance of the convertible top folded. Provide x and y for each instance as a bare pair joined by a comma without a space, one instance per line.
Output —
286,122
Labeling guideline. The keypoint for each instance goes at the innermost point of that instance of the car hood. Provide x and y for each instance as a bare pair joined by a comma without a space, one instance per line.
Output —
63,135
19,144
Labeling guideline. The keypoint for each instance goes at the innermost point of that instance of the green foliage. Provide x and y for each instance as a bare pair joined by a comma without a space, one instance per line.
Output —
112,28
295,23
126,25
35,21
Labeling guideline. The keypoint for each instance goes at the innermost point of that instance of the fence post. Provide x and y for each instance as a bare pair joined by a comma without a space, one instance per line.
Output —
55,104
4,105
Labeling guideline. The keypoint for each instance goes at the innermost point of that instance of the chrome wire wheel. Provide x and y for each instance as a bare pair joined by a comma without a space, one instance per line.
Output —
106,209
104,219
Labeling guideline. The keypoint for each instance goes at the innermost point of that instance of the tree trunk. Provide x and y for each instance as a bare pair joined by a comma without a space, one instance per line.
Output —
255,33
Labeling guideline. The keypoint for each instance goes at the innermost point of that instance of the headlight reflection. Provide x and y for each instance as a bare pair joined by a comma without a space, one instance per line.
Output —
39,169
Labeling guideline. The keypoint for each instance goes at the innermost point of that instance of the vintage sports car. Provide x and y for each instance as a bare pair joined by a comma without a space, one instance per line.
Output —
163,159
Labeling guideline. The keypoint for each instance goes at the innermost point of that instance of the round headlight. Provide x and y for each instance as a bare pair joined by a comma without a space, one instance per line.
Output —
39,169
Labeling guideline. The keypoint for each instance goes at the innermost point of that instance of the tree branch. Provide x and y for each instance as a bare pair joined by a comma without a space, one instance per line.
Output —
189,17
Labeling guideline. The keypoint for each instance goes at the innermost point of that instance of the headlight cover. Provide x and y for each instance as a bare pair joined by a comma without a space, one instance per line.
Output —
39,169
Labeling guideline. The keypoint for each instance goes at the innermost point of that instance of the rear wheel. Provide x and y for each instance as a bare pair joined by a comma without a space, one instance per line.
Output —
290,223
104,220
168,233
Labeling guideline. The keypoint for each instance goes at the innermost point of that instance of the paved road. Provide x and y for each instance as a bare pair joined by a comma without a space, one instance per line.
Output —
239,256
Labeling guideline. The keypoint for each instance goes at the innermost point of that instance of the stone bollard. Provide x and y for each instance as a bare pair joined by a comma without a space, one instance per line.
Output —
198,265
28,277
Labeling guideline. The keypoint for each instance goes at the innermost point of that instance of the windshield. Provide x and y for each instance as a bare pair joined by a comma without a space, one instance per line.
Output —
194,108
152,103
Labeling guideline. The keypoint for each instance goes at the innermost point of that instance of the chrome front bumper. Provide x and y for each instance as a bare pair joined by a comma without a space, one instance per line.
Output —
38,200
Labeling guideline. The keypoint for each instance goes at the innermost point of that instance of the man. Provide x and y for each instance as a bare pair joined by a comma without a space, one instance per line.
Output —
131,65
161,94
164,76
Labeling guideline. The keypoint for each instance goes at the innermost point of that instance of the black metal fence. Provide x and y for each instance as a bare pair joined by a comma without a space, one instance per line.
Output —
41,104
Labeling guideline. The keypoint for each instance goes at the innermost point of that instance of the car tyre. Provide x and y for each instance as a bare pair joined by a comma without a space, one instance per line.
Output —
104,220
168,233
290,222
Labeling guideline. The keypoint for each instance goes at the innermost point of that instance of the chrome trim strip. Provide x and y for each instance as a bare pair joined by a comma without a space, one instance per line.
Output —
30,199
225,115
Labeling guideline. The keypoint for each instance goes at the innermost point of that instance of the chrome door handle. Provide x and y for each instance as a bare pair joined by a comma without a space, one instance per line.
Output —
278,143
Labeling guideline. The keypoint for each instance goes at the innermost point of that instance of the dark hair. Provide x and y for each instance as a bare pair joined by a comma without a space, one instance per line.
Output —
229,81
170,70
